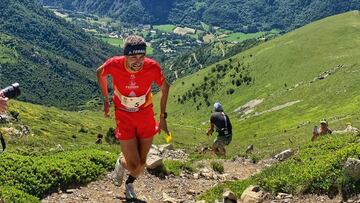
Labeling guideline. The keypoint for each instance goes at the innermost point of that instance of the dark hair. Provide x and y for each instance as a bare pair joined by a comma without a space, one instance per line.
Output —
134,44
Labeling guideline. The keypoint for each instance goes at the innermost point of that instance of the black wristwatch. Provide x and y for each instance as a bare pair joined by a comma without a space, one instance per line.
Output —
163,115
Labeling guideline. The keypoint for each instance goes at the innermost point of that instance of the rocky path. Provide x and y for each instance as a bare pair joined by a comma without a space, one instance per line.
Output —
151,188
185,188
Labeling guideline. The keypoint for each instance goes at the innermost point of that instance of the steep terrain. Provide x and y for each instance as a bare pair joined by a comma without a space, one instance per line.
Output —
52,60
306,75
274,94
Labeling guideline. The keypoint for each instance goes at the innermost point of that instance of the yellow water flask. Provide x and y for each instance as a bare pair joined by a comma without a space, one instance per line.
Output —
168,137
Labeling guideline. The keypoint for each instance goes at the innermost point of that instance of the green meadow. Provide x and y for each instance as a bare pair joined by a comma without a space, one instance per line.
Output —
116,42
165,28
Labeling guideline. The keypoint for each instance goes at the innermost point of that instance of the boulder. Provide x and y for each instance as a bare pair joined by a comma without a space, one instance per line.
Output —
252,194
284,154
153,161
352,168
229,197
164,147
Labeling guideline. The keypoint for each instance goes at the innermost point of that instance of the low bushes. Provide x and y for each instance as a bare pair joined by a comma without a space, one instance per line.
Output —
175,167
41,175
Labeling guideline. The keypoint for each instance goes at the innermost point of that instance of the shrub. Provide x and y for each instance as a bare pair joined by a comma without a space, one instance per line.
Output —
110,136
11,194
231,91
38,176
14,114
217,166
175,167
316,169
83,130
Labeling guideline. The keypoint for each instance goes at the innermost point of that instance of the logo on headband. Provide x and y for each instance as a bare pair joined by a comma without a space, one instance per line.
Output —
135,49
139,51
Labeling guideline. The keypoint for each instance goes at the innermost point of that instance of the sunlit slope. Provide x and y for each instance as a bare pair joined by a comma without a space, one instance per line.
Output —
282,70
53,130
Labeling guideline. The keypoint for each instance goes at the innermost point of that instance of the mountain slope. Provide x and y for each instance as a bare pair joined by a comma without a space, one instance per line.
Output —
304,76
52,60
239,15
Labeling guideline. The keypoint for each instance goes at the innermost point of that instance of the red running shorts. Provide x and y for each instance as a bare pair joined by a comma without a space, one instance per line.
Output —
140,124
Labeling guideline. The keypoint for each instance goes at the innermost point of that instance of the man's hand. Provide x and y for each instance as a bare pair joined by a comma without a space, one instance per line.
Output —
210,131
3,103
106,107
163,126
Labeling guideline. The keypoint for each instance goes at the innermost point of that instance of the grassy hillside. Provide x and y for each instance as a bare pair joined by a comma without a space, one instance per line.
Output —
317,168
58,151
51,127
53,61
302,77
279,71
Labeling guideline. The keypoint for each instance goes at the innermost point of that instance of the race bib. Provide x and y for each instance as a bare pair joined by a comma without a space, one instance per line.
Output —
132,102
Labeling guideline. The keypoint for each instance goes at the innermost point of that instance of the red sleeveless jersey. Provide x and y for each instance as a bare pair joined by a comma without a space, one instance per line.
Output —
132,90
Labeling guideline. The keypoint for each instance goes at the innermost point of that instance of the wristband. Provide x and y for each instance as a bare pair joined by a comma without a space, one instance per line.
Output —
163,115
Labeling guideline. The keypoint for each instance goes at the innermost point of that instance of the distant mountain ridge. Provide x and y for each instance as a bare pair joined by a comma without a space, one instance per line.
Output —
52,60
239,15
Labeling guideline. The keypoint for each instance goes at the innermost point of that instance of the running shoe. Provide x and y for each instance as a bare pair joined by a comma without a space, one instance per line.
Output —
118,173
129,191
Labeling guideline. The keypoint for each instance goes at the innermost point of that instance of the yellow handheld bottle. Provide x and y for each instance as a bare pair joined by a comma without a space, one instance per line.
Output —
168,137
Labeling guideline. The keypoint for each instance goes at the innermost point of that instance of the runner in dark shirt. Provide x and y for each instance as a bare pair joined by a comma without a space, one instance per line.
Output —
221,122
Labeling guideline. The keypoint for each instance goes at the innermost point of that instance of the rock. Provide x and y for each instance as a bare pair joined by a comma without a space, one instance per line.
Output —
154,151
168,199
59,147
178,154
196,176
252,194
25,130
352,168
249,148
153,161
201,201
4,118
283,195
284,154
164,147
229,197
70,191
223,176
208,175
204,170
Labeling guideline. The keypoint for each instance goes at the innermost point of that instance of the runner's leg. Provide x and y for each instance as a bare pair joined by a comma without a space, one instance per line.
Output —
131,158
144,147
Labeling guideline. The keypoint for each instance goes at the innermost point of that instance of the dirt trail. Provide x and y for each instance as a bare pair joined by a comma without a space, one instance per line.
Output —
185,188
150,188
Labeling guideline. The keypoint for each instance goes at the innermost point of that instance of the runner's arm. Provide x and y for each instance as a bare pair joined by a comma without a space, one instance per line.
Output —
211,129
163,101
102,80
3,103
164,96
